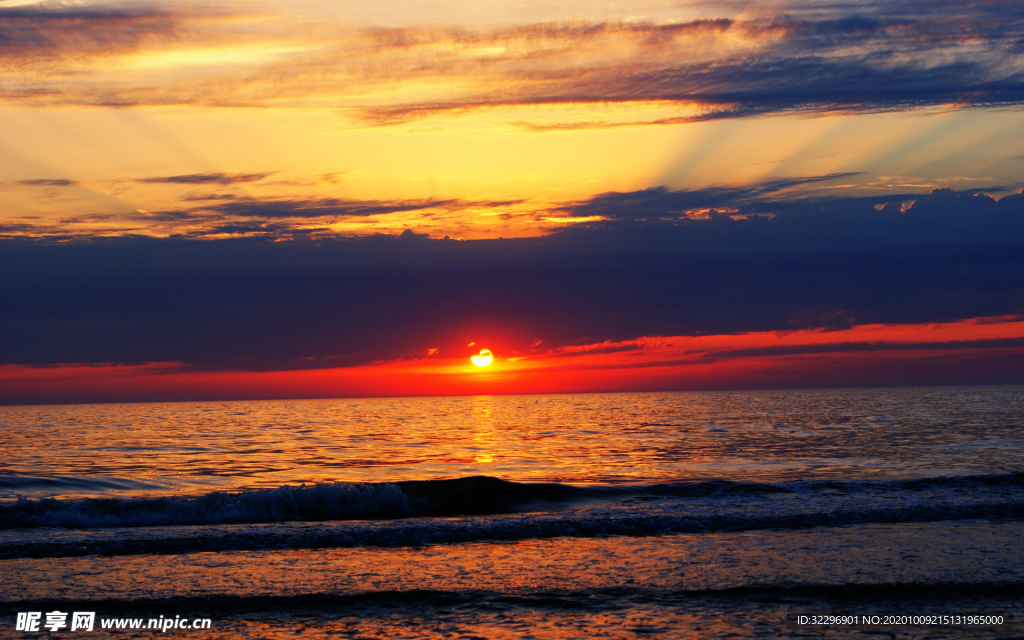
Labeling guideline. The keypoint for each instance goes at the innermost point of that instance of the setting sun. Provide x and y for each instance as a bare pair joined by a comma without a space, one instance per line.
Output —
485,358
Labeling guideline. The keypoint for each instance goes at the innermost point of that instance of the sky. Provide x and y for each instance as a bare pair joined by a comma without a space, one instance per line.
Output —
266,199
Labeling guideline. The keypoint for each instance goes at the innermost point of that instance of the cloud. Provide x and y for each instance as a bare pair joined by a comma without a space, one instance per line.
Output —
743,88
251,303
276,228
747,217
227,213
805,59
48,183
795,58
322,207
846,347
52,32
209,178
664,203
8,229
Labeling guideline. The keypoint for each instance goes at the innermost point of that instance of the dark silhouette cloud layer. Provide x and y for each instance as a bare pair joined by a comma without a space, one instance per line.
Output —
256,304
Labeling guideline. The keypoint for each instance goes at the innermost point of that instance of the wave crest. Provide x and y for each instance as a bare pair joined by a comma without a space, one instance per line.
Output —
334,501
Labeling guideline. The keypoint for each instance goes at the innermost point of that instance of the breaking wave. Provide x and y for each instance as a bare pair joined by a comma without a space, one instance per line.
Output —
481,495
482,508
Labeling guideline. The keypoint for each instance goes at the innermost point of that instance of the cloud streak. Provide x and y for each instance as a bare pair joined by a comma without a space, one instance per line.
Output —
862,58
208,178
29,35
48,183
323,207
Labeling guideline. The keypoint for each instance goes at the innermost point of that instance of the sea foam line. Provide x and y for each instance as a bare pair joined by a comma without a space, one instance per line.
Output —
437,531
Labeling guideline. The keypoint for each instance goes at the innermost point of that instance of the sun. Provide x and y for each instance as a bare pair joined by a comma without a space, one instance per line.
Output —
485,358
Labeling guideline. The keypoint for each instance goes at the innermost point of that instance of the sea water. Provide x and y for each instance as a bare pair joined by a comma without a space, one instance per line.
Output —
825,513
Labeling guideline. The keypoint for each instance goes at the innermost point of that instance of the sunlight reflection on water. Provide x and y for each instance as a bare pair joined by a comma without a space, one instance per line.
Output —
192,448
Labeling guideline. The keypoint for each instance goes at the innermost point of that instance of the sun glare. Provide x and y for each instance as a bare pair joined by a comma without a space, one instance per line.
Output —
485,358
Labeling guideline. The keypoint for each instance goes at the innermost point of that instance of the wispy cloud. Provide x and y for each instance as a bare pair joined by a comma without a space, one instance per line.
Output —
859,57
70,35
228,214
209,178
48,183
322,207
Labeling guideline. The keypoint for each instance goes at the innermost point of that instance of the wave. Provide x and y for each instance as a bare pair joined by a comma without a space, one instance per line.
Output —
476,495
481,508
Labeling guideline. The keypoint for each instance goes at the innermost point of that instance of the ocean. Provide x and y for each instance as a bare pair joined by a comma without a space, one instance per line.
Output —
875,513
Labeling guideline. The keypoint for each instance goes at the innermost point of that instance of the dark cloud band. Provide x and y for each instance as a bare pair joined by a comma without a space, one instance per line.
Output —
256,304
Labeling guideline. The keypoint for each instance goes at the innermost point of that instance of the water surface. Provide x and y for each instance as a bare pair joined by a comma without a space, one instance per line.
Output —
683,515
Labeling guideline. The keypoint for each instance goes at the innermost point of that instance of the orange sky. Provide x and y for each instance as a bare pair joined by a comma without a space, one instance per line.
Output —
141,139
979,350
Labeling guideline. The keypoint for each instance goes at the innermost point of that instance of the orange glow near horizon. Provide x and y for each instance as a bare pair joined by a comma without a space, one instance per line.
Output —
978,350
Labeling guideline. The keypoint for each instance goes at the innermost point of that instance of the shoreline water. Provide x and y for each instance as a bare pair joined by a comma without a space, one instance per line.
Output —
735,582
606,516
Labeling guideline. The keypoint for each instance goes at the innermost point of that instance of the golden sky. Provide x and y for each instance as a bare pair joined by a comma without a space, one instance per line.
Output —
474,119
256,198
